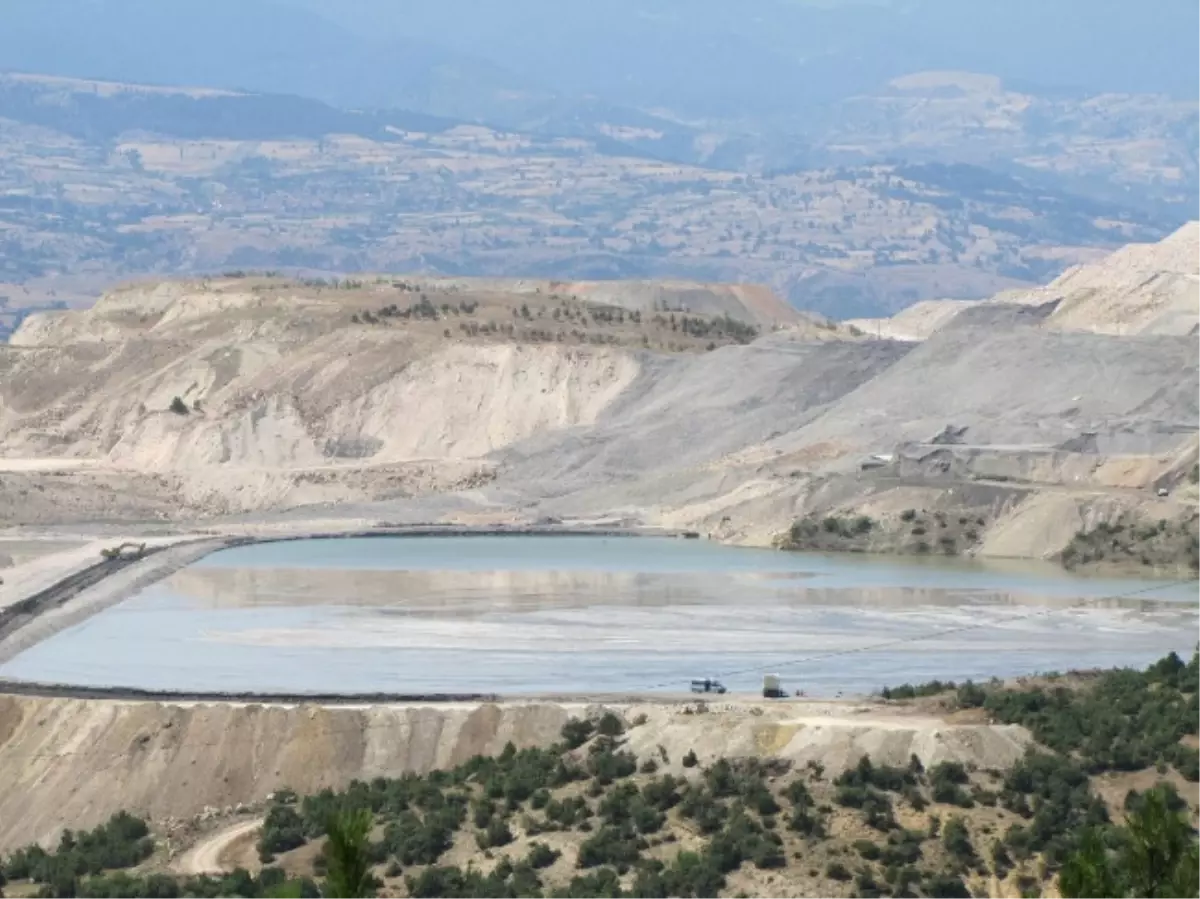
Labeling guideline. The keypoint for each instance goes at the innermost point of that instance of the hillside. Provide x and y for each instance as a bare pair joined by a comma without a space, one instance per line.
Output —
1139,289
310,748
700,407
108,180
935,790
289,385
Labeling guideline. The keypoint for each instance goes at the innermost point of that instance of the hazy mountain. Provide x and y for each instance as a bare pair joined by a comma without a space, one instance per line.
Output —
102,112
255,45
757,62
713,58
857,156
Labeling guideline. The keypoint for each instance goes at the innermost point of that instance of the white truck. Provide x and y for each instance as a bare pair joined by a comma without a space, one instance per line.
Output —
772,688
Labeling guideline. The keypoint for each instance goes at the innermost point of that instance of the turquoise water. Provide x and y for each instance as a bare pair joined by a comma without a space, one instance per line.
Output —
592,614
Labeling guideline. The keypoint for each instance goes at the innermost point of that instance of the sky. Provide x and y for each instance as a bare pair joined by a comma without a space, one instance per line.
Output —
696,59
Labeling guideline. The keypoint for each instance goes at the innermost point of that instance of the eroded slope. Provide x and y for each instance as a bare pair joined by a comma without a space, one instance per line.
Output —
172,760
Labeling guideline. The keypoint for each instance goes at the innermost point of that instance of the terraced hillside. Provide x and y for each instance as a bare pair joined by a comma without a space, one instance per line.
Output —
699,407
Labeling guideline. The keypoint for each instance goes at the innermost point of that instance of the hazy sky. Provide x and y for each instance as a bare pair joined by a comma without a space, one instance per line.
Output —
696,58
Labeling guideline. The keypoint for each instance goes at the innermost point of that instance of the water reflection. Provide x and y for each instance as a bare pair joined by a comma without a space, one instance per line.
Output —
584,614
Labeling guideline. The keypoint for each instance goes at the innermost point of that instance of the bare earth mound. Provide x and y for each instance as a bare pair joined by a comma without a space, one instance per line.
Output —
174,760
713,408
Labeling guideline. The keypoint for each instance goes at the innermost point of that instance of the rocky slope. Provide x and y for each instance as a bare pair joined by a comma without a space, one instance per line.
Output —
1140,289
223,754
713,408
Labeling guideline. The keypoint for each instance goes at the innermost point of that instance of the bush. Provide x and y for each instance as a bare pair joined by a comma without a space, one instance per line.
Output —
1155,852
945,780
903,848
1125,721
703,808
122,842
970,696
610,845
607,766
912,691
495,834
1061,805
689,760
282,830
541,856
610,725
744,839
949,886
868,850
179,407
568,812
576,732
416,840
837,871
957,841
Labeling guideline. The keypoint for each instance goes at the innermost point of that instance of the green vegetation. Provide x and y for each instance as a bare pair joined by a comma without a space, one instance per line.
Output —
1125,720
1153,854
1118,721
1129,541
724,327
179,407
349,864
875,829
564,321
830,532
912,691
122,842
912,531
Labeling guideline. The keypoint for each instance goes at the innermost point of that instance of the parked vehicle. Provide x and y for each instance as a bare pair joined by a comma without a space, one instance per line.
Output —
708,685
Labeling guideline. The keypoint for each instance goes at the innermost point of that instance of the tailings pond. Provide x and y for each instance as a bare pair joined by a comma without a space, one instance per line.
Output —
589,614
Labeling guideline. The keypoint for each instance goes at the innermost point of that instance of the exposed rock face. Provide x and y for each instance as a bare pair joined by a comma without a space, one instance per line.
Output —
242,395
448,399
1140,289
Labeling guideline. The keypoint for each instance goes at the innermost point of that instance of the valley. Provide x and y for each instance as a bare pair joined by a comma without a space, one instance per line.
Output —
380,465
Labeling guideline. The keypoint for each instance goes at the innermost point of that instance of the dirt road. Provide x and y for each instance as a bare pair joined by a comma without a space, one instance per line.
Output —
205,856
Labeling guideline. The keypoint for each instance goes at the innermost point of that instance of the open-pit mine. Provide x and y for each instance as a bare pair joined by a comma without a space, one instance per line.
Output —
259,533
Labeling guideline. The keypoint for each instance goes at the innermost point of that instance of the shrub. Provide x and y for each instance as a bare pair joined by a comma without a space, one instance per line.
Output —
121,842
609,845
421,841
945,780
689,760
282,830
946,886
576,732
607,766
496,833
957,841
868,850
837,871
179,407
568,812
541,856
912,691
610,725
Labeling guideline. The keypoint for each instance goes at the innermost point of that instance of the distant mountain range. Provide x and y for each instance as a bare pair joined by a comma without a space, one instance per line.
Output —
765,63
838,151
